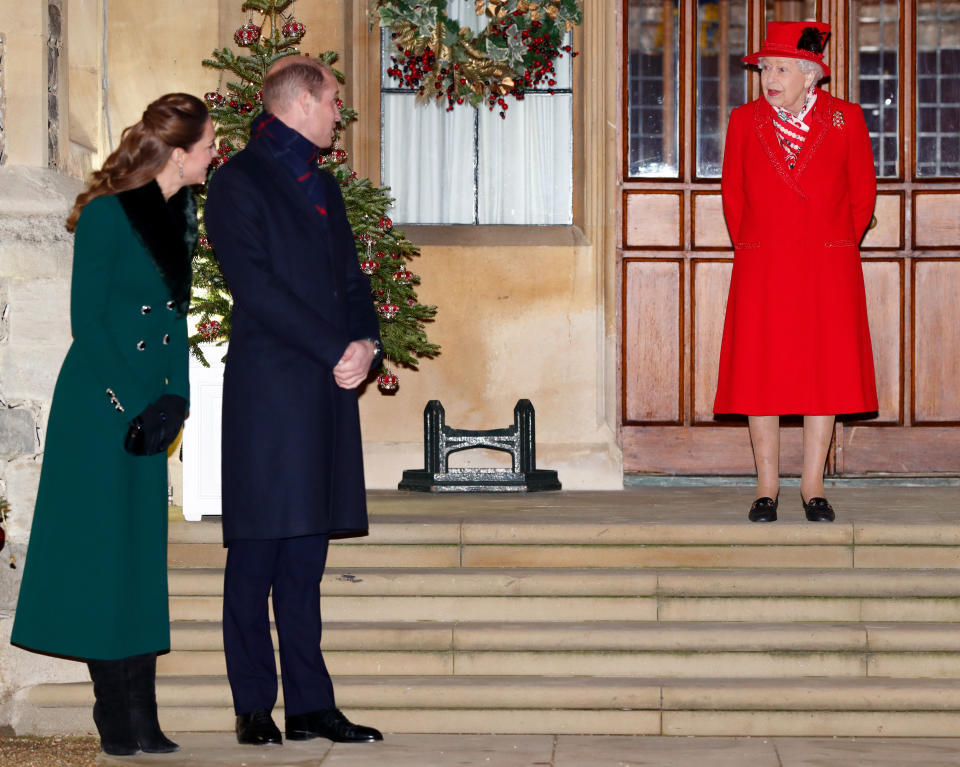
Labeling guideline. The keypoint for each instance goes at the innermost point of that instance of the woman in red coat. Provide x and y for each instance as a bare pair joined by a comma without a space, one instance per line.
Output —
798,193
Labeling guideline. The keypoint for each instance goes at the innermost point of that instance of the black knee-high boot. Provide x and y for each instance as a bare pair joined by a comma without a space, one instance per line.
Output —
111,712
142,684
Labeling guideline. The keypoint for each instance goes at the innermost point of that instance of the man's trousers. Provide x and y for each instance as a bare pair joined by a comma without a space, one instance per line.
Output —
292,568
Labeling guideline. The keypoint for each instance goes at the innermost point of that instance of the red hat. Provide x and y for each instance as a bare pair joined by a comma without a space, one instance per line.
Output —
794,40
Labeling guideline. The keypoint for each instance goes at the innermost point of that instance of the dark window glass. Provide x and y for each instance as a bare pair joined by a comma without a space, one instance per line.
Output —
721,77
938,87
653,38
875,76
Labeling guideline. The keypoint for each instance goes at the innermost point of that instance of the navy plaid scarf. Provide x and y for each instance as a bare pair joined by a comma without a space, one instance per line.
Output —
294,152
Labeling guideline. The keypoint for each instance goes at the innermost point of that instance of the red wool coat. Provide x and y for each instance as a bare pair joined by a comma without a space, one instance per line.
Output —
795,336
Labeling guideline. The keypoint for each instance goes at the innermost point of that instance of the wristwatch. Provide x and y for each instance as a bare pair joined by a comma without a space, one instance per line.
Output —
377,352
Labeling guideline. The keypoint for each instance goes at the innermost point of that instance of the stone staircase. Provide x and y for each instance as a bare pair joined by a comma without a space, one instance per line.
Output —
652,611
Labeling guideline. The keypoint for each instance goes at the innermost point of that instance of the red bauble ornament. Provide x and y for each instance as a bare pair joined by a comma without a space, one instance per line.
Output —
379,255
248,34
215,99
402,276
293,28
209,329
388,311
368,267
411,302
387,382
204,242
339,155
386,224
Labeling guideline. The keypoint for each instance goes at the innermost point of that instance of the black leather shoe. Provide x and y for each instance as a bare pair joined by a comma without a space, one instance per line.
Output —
329,723
818,510
764,509
257,729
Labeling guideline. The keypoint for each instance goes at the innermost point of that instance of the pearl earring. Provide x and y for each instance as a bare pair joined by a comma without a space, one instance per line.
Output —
181,170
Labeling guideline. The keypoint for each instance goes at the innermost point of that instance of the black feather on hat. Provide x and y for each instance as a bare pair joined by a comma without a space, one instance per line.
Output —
812,39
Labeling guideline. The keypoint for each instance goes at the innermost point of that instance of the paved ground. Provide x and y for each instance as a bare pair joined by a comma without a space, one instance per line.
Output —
216,750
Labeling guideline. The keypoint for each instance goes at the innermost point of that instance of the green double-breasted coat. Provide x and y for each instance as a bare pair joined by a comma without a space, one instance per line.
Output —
95,576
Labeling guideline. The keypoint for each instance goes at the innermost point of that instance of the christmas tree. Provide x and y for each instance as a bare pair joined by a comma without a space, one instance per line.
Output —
383,251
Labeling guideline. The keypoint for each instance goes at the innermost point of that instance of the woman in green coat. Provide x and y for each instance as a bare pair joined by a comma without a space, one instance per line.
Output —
95,579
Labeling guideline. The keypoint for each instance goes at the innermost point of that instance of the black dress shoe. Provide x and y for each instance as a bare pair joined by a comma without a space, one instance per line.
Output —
818,510
257,729
329,723
764,509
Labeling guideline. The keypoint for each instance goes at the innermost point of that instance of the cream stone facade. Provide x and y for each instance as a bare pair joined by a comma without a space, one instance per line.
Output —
524,312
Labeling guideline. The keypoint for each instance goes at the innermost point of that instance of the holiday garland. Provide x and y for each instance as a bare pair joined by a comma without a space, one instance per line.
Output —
450,65
383,251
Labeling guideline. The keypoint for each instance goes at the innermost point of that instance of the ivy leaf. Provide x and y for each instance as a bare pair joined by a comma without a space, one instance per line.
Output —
451,33
570,13
497,52
515,47
423,18
387,16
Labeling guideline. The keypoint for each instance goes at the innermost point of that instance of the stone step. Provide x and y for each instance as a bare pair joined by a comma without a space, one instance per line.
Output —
667,664
443,533
386,581
611,636
608,650
478,594
652,706
601,608
376,609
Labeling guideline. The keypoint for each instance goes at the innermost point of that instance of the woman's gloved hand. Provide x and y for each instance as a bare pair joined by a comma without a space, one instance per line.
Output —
155,429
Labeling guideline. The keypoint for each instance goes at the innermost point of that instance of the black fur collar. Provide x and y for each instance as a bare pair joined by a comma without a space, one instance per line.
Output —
168,230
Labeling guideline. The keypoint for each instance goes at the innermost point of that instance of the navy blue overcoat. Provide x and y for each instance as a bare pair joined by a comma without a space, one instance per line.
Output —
292,462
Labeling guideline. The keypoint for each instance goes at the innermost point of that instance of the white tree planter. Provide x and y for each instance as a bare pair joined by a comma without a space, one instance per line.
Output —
201,437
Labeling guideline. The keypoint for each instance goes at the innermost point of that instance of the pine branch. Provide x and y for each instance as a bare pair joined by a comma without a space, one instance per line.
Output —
404,336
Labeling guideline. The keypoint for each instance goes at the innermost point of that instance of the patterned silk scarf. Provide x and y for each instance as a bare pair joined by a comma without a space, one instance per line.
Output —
792,130
293,151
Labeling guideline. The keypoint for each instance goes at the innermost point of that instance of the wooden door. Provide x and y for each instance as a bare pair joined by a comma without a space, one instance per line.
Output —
681,76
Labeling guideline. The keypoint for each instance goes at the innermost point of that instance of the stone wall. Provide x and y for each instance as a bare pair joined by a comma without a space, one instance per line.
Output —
3,149
35,266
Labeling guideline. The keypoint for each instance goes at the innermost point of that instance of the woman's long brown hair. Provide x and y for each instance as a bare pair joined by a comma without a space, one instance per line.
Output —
174,120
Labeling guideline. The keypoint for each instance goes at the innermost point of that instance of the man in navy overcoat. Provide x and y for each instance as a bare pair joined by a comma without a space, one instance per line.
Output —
304,337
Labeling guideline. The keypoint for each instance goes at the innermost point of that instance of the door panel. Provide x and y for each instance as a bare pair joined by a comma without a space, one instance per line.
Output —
709,228
936,220
899,59
653,341
883,280
654,220
936,317
711,283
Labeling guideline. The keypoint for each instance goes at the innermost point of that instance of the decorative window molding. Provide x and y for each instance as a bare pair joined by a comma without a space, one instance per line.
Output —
474,165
